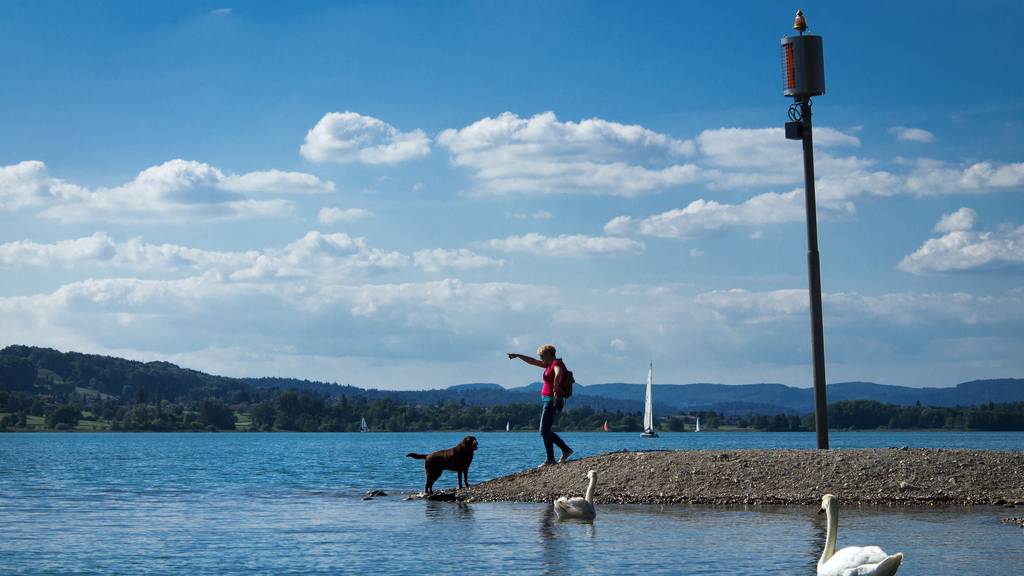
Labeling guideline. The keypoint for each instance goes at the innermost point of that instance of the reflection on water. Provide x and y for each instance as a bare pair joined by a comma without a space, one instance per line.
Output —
279,504
435,510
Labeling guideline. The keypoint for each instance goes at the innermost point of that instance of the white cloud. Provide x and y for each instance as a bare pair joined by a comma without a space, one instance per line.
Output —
900,308
28,184
175,191
542,155
695,253
346,137
961,248
576,245
537,215
221,12
912,134
763,147
740,158
315,255
934,177
100,249
321,255
439,259
704,216
333,215
275,182
962,219
65,253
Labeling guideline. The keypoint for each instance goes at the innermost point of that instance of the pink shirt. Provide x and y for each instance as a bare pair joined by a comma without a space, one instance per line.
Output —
549,378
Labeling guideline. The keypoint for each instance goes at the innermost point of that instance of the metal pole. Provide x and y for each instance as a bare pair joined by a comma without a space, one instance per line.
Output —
814,280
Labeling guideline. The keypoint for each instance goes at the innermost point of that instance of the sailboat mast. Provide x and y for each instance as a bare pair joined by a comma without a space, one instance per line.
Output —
648,401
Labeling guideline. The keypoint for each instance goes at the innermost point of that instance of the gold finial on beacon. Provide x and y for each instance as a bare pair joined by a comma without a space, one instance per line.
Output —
800,23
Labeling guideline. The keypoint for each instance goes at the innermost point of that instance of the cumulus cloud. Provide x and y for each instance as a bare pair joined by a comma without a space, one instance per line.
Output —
961,248
177,190
347,137
99,249
704,216
962,219
275,182
576,245
29,184
933,178
332,215
763,147
912,134
900,308
397,321
315,255
321,255
439,259
543,155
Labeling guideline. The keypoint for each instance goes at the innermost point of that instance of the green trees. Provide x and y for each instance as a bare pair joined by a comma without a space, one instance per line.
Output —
214,412
65,415
17,373
872,415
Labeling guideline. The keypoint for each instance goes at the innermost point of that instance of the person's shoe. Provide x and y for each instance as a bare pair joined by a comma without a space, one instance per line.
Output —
566,454
547,463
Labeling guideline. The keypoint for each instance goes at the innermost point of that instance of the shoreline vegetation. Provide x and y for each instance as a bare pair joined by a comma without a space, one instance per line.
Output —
43,389
300,411
887,477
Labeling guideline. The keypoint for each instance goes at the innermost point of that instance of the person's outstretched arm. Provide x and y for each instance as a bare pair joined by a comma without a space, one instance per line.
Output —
527,359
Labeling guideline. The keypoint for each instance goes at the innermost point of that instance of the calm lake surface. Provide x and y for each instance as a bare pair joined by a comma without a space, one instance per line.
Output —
284,503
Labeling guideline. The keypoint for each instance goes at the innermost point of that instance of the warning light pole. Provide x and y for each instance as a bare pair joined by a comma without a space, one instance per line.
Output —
803,69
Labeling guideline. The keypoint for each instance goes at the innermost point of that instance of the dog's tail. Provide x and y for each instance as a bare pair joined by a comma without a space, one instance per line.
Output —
416,456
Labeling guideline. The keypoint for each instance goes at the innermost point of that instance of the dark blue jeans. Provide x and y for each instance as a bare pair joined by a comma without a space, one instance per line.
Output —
548,416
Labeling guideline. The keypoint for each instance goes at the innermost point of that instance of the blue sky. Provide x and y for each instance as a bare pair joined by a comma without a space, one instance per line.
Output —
393,194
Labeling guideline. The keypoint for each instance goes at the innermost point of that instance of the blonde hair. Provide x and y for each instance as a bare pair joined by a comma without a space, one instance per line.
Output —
546,349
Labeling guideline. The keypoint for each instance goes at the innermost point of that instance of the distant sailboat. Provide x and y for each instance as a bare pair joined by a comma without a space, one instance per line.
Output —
605,427
649,406
508,426
362,425
697,428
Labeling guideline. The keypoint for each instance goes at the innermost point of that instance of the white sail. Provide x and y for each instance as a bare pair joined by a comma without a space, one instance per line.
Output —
362,425
649,402
508,426
697,429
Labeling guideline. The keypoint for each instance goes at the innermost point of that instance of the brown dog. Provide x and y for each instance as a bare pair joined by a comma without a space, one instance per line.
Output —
457,458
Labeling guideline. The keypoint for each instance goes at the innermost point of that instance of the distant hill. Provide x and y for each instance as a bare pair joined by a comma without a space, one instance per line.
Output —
47,371
779,398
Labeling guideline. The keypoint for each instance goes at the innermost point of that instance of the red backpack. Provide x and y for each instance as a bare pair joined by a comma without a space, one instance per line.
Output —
565,388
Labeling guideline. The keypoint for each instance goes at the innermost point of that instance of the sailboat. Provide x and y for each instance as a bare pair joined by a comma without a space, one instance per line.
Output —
605,427
649,406
508,426
362,425
697,428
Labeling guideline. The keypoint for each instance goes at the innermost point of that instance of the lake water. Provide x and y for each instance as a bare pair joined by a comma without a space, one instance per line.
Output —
287,503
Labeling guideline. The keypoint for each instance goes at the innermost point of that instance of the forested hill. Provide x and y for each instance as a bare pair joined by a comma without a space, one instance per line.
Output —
43,371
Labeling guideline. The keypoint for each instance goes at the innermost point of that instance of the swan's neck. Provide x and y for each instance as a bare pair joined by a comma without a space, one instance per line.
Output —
589,496
832,517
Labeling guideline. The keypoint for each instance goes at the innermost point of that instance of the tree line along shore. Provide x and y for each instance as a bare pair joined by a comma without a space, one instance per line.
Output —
304,411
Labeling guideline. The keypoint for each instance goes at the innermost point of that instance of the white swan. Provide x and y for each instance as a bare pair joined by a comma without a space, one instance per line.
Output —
577,508
852,560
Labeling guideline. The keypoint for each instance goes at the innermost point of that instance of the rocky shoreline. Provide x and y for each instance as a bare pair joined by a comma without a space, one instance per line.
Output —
895,477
